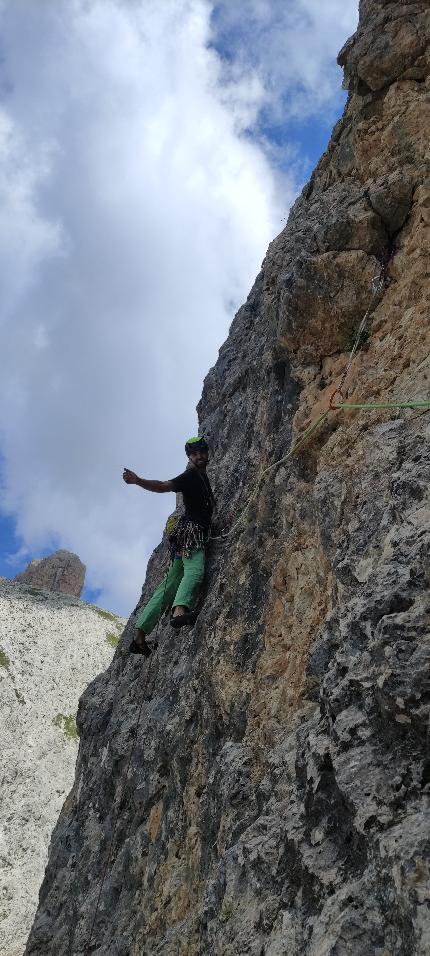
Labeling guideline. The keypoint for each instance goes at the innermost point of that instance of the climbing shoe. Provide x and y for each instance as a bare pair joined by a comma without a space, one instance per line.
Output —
183,620
144,649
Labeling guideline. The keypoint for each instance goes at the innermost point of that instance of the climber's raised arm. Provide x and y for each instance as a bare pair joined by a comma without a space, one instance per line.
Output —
131,478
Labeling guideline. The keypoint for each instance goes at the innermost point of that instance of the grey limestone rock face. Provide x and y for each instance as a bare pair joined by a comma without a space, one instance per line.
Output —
277,800
62,571
51,646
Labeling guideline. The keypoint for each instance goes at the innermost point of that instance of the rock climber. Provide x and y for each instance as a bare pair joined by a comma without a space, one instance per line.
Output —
179,588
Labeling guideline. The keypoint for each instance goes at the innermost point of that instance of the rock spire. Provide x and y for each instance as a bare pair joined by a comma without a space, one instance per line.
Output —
62,571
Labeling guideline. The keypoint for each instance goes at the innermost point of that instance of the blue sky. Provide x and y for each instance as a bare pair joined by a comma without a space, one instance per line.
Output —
148,155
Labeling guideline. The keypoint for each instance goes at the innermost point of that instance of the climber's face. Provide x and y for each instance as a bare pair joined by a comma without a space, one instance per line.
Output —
199,458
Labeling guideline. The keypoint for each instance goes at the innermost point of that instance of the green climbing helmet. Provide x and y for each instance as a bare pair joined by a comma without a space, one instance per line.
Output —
195,444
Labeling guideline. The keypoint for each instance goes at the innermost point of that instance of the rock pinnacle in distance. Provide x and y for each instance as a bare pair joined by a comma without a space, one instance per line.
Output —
61,571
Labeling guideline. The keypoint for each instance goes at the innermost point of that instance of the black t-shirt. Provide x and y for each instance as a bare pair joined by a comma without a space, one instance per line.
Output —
197,494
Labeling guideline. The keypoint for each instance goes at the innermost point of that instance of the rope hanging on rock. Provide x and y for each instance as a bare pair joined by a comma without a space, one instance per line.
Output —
379,283
371,405
275,464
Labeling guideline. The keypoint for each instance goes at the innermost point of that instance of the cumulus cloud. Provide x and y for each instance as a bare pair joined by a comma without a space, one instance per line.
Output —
291,48
135,217
26,239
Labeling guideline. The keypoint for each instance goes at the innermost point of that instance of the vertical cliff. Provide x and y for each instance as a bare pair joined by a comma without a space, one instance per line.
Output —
277,800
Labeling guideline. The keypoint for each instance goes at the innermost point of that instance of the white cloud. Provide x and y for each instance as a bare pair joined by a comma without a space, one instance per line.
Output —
135,218
291,46
26,239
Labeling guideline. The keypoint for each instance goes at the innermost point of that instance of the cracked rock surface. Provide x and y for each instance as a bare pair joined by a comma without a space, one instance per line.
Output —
277,799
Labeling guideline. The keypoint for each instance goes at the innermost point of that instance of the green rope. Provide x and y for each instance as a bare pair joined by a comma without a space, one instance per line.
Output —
332,408
298,444
384,405
301,441
294,448
381,283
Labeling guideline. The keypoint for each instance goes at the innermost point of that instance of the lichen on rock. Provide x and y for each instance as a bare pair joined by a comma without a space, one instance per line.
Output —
66,723
4,659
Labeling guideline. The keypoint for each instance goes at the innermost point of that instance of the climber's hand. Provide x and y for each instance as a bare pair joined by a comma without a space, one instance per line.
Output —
130,477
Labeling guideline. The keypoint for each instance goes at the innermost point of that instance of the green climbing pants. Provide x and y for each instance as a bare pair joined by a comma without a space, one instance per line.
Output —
180,586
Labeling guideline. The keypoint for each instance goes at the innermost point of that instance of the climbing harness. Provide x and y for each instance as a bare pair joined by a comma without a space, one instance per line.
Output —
184,534
187,537
379,283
